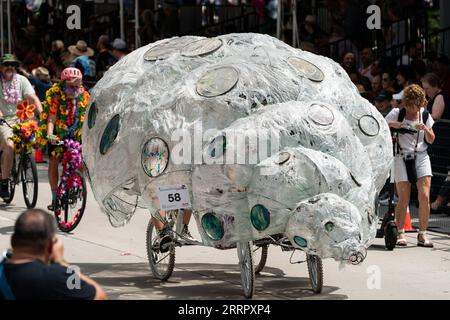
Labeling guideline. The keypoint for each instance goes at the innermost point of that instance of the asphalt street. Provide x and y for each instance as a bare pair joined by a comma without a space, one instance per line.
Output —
116,258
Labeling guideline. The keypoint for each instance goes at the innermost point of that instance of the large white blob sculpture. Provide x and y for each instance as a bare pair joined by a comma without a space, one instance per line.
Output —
330,149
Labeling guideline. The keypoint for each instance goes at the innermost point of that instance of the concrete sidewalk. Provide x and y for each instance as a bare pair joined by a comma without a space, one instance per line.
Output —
116,258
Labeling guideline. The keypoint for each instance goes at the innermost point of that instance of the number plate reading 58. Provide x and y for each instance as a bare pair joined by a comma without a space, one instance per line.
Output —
174,197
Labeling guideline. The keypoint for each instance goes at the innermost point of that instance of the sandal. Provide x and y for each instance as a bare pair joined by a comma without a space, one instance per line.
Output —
424,243
401,242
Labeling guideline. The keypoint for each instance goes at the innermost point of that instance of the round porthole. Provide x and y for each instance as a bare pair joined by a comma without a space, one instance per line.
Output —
329,226
166,49
369,125
260,217
201,47
110,134
155,157
217,147
321,115
283,157
306,68
212,226
92,115
217,82
301,242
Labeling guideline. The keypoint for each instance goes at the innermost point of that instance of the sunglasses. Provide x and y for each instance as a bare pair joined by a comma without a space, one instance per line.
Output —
9,64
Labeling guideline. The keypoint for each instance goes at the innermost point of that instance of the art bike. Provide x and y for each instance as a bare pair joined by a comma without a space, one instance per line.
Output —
24,167
71,195
265,143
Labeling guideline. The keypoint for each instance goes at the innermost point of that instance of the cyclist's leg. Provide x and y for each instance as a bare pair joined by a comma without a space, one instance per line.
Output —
187,216
7,146
159,225
52,175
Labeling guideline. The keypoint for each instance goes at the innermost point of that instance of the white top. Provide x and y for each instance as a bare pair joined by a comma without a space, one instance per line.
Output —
408,141
25,90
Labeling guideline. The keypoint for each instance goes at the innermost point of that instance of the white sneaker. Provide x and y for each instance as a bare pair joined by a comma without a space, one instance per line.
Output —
185,234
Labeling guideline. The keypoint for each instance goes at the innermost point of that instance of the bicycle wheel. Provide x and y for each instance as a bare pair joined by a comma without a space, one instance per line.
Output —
70,206
390,236
260,257
29,177
160,253
315,270
12,183
245,254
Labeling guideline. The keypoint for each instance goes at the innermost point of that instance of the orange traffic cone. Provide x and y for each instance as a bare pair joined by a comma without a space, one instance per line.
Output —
408,225
38,156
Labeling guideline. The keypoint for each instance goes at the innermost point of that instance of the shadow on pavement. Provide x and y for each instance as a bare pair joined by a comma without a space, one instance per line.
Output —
11,207
7,230
199,281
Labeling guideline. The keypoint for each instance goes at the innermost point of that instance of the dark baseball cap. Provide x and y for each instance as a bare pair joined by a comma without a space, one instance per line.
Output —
383,96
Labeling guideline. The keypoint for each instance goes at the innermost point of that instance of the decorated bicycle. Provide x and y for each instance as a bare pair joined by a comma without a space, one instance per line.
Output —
24,168
264,143
60,128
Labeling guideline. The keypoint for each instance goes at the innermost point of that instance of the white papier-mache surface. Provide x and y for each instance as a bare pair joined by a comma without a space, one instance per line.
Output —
177,91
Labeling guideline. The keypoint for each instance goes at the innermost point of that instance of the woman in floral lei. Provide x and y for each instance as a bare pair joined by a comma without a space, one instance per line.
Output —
62,118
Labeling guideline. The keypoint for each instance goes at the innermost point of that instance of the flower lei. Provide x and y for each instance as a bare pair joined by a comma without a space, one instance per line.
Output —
69,122
24,132
11,90
71,162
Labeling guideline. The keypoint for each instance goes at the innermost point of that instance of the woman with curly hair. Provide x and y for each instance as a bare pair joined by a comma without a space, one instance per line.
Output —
412,163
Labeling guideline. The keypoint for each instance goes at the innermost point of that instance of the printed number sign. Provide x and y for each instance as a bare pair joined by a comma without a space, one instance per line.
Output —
174,197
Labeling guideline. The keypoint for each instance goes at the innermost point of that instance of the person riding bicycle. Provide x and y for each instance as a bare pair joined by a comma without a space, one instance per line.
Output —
62,118
14,88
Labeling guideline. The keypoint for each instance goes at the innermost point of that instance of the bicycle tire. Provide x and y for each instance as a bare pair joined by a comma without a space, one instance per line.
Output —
390,236
63,203
262,260
30,203
151,253
246,267
315,271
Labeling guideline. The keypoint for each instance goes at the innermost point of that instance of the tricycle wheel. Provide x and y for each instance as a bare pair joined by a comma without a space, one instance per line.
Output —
260,257
315,270
245,254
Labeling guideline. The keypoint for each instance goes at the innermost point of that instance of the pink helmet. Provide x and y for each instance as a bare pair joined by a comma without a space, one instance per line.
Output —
71,73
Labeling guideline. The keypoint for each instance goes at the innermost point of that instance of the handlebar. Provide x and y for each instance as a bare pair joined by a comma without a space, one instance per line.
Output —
404,130
3,122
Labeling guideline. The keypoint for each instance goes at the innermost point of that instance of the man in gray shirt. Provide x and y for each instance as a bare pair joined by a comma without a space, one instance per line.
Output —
13,89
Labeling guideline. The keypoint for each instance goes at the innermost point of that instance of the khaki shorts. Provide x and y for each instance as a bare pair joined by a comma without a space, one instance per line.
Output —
5,134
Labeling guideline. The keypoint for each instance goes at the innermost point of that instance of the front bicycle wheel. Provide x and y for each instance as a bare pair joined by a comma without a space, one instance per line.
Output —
245,254
160,252
70,205
29,178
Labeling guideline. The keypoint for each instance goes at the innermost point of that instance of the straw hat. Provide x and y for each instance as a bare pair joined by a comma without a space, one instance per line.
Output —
81,49
41,73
